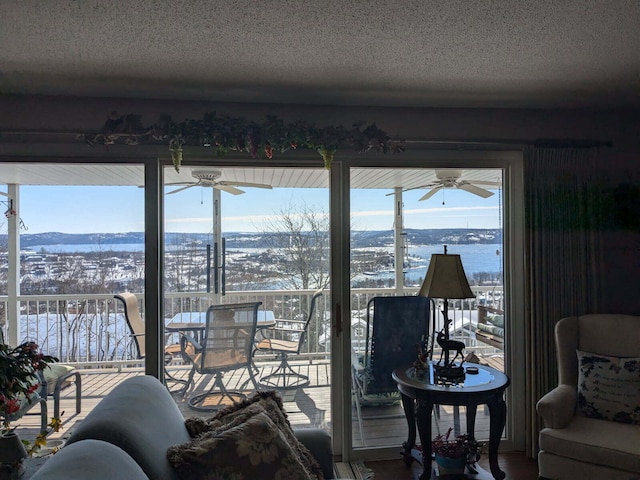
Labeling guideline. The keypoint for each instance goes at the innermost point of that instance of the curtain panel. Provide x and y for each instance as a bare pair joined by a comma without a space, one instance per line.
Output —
563,214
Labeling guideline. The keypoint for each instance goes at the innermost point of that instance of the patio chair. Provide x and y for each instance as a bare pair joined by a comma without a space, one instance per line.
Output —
52,380
286,339
394,325
136,326
227,345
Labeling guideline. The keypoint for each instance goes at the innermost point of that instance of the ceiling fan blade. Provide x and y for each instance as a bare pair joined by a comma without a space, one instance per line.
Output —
467,187
173,184
430,193
484,182
428,185
228,189
181,189
245,184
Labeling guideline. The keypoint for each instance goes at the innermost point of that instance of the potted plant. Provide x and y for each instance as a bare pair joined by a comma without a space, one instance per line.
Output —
19,383
453,455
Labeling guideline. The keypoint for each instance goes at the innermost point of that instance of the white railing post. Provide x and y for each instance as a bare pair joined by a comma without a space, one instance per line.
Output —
13,278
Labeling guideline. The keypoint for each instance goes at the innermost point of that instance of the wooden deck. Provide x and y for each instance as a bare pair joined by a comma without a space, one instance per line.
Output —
306,407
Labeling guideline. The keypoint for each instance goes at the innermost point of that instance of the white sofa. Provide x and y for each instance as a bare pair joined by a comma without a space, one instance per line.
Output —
574,446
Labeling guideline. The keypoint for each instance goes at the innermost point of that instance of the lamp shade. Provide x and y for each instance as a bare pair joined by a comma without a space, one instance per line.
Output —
445,278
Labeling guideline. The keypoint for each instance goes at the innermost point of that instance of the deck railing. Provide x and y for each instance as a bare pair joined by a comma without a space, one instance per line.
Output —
91,327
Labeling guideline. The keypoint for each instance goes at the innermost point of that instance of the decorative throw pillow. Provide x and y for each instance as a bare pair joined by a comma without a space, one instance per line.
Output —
261,402
253,449
609,387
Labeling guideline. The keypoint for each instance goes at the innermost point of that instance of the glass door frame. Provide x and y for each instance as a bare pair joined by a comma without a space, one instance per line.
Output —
510,160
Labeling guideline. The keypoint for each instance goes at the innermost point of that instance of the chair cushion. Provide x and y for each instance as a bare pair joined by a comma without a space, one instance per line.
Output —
279,345
609,387
254,448
595,441
54,372
267,402
491,329
497,320
26,404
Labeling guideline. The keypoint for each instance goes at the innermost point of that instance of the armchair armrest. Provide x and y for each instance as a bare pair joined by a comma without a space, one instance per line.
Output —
558,406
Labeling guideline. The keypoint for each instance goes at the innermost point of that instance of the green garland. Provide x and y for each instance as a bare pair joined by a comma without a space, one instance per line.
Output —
225,133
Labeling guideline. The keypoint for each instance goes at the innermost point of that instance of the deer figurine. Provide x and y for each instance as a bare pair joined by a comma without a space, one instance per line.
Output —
449,346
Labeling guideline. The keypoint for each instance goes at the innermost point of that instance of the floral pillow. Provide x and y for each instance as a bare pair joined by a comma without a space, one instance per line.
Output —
609,387
255,448
267,402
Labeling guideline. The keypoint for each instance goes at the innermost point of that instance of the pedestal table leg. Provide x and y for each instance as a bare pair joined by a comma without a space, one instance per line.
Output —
498,417
408,405
424,408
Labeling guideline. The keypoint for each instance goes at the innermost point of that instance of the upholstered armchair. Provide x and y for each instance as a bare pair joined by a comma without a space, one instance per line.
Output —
592,418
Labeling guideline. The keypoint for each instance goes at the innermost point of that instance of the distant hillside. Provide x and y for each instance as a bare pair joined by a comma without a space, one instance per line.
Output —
458,236
378,238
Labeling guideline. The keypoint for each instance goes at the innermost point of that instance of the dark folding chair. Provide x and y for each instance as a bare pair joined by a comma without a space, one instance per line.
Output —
227,344
394,326
286,339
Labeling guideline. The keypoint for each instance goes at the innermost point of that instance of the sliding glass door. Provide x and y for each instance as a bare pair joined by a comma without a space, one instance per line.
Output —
398,218
237,235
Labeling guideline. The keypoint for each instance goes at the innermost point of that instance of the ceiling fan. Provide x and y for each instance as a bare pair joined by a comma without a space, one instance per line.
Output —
451,178
211,178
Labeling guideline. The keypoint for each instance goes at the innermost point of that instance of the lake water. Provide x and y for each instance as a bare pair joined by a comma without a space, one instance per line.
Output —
475,257
88,248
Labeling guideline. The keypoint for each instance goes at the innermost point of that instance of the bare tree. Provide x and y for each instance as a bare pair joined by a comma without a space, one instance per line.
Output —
299,236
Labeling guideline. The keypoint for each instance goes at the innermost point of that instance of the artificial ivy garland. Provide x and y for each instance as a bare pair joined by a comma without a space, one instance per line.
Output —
225,133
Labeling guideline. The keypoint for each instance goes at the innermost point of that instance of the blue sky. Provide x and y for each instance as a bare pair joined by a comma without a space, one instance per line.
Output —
91,209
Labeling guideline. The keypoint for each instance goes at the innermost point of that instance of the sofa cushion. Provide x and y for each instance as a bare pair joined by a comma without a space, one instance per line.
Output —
93,459
253,448
595,441
261,402
609,387
140,417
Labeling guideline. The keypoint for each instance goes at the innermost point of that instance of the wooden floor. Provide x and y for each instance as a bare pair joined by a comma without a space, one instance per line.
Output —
382,426
516,465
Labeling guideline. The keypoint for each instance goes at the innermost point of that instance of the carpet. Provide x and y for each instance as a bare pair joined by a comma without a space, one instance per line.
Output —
353,470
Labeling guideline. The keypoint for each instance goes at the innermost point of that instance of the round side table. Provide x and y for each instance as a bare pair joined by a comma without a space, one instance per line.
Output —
420,394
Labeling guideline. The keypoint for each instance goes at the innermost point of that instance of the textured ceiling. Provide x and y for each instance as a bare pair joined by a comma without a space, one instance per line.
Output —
454,53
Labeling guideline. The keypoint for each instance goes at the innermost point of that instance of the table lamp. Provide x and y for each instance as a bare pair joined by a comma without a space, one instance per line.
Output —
446,279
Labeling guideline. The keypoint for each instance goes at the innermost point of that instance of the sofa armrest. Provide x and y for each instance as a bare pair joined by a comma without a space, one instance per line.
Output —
319,444
558,406
93,459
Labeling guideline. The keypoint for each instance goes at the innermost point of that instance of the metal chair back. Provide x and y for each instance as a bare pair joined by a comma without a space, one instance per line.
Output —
228,337
134,320
394,326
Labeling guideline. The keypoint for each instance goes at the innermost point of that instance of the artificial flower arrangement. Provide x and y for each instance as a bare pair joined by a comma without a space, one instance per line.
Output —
459,447
225,133
18,381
